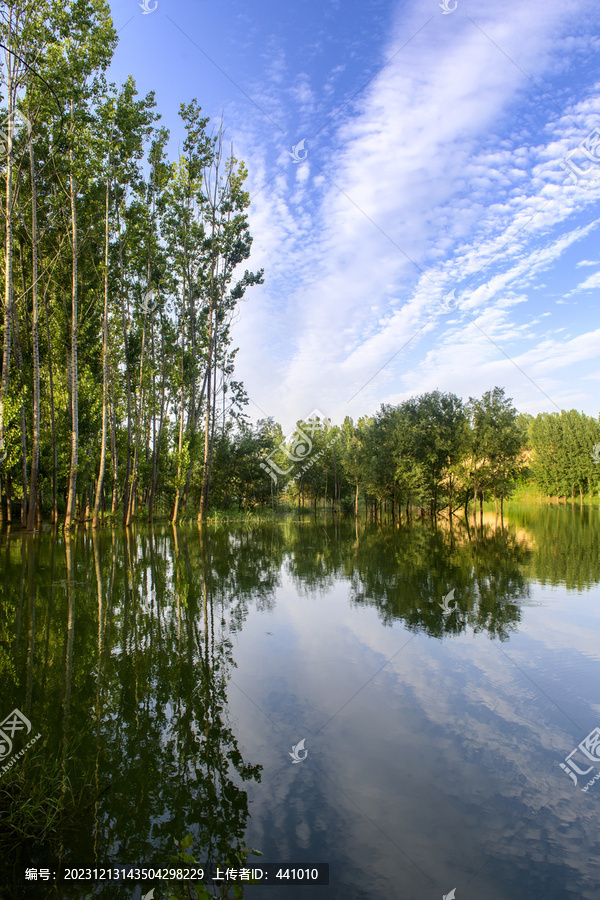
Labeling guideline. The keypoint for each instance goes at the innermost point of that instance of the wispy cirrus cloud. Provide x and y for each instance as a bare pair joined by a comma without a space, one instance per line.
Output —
591,283
428,182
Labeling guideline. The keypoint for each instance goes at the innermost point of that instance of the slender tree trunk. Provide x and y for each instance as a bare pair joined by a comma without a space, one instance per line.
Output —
35,448
70,514
126,485
153,475
113,443
204,492
212,428
83,506
181,417
54,516
138,418
8,500
19,360
193,426
8,246
213,279
138,427
334,498
100,481
157,438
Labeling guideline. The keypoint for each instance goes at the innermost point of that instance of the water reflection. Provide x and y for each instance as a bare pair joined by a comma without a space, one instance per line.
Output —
119,647
123,644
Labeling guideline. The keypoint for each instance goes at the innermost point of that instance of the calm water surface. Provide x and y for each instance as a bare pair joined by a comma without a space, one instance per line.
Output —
171,674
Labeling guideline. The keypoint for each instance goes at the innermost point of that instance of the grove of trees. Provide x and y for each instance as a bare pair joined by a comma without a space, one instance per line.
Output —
433,452
565,453
121,279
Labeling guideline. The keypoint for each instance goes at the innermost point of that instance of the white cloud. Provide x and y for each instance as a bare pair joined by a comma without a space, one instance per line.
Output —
591,283
416,195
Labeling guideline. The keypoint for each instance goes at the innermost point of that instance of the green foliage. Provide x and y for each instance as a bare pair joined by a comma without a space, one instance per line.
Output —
160,239
564,454
37,800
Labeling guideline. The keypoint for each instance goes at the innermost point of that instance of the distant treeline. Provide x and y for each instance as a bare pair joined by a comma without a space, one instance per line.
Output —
565,457
435,453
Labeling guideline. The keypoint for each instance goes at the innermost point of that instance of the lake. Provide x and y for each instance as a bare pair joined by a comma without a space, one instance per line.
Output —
392,699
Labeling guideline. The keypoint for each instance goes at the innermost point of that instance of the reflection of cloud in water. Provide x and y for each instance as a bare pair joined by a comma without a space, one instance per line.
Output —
450,751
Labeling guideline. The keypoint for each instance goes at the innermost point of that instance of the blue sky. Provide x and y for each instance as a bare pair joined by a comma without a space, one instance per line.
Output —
440,232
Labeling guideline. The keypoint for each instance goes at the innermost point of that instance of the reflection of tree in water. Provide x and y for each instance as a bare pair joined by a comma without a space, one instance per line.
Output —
566,544
406,572
121,643
172,728
142,674
245,568
315,555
